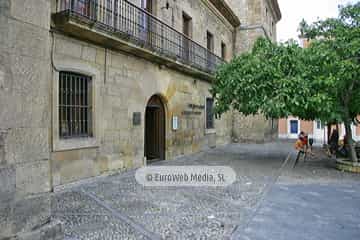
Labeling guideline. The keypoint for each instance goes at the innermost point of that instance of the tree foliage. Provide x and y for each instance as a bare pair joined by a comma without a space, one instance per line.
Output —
339,38
270,80
321,81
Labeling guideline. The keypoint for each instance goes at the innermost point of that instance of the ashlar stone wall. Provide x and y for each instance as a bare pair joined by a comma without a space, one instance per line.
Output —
204,18
33,159
124,85
257,20
25,71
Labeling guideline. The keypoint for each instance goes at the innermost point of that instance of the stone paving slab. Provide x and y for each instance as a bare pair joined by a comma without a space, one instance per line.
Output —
309,202
172,213
269,200
309,212
318,169
84,219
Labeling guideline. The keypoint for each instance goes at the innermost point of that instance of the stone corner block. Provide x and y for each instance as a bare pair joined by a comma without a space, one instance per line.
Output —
31,213
51,231
7,184
33,178
26,145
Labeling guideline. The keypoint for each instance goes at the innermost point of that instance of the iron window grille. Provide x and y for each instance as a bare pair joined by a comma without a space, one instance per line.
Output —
209,113
223,50
75,108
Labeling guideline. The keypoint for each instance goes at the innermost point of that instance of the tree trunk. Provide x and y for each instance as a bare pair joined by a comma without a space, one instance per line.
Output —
350,142
328,132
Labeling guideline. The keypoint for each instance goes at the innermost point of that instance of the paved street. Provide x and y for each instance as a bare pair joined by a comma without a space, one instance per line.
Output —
312,201
269,200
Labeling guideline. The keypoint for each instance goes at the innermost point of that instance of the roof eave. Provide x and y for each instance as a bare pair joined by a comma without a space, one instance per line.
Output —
277,10
226,11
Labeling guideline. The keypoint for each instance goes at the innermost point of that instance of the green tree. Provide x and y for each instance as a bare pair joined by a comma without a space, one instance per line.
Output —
339,38
319,82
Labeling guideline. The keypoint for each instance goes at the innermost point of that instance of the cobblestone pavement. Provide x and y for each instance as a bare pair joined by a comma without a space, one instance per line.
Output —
269,200
116,207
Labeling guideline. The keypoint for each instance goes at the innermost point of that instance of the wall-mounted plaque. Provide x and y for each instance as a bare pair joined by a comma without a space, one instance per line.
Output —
175,123
188,113
196,106
136,118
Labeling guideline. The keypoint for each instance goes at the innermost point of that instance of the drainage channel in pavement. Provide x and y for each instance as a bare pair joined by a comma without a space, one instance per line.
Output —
287,164
136,226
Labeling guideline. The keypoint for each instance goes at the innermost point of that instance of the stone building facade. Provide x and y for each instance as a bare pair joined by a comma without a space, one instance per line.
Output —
92,87
258,19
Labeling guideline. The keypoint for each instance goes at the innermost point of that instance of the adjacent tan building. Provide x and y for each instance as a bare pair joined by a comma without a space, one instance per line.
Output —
92,87
289,128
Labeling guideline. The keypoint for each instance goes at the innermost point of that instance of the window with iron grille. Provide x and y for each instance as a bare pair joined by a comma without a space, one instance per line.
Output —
209,113
223,50
75,108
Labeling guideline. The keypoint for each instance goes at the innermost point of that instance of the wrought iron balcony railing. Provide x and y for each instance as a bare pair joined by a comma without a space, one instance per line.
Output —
134,24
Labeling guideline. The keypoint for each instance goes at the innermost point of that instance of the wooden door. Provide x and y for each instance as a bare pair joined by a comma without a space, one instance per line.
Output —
155,130
149,6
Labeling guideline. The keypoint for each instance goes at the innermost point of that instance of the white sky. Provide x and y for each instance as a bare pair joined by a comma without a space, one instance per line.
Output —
294,11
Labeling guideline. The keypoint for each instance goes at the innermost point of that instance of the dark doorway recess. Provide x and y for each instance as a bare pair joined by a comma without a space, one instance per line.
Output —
155,130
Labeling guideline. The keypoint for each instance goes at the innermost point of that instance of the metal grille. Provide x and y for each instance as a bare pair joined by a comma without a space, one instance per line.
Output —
75,111
209,113
223,50
134,24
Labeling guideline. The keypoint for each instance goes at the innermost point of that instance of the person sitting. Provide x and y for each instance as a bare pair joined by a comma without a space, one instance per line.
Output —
305,141
300,146
334,142
343,151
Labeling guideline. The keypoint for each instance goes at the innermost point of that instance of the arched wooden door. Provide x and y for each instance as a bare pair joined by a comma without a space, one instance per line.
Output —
155,130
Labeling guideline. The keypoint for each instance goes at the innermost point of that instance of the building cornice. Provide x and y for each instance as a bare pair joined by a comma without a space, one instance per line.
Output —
276,9
254,27
226,11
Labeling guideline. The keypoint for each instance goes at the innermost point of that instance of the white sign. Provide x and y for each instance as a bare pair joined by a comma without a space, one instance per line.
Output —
175,123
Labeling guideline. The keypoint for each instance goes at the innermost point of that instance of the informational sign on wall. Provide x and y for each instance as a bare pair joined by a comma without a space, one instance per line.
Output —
136,118
175,123
194,109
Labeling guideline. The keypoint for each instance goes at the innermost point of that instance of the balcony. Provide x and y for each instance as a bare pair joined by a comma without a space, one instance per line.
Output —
120,25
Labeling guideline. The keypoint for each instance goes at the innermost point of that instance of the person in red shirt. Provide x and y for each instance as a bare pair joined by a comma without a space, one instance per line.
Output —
305,140
300,146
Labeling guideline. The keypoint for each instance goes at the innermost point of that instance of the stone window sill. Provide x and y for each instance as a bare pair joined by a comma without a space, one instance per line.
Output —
76,143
